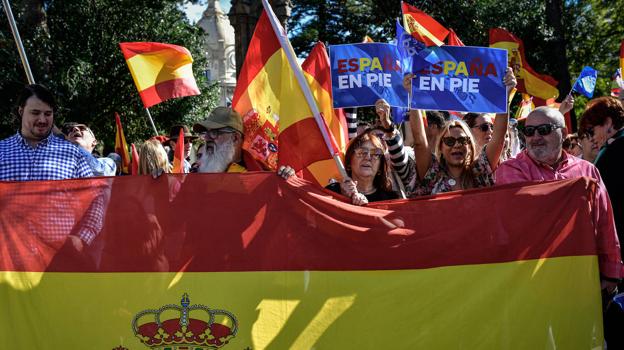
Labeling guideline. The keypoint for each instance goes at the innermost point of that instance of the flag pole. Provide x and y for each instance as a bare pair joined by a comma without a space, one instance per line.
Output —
149,116
18,41
294,65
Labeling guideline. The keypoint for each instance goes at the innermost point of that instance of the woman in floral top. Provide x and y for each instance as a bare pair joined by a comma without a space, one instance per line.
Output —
454,162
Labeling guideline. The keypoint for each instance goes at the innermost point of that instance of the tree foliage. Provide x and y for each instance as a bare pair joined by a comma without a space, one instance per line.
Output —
73,48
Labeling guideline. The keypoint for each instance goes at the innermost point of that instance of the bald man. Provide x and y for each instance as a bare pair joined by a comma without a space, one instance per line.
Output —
544,159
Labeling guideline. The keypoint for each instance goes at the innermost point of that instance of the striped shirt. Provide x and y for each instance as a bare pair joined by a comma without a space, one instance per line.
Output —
51,159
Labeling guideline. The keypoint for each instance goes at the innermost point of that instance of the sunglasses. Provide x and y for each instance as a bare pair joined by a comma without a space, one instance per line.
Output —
542,129
451,141
374,153
214,133
485,127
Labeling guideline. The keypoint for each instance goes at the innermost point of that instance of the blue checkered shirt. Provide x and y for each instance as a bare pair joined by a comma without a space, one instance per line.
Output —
52,159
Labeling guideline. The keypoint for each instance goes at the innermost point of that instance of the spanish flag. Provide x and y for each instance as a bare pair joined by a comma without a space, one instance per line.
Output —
135,160
422,26
178,155
250,261
453,39
301,143
160,71
530,82
121,147
268,96
526,106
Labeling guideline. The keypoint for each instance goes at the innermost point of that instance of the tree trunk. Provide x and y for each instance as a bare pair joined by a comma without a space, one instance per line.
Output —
554,12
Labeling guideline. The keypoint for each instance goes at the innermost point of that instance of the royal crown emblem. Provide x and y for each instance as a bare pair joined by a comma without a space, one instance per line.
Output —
205,329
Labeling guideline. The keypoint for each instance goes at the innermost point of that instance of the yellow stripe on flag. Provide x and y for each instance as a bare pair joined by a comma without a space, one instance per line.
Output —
516,305
149,69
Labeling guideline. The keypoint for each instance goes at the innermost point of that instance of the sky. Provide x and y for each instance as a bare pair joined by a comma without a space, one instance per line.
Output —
194,12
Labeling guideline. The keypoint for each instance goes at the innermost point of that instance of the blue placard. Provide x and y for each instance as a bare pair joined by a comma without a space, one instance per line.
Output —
363,73
464,79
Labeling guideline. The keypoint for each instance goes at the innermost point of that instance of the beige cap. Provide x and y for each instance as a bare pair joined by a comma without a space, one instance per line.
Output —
220,117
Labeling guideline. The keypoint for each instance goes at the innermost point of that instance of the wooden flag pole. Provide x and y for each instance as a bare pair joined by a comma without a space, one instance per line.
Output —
18,41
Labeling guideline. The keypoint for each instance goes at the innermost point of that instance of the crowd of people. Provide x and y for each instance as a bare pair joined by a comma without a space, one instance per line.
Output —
444,153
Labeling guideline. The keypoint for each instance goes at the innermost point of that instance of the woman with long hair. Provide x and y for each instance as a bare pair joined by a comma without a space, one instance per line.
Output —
368,171
152,157
456,162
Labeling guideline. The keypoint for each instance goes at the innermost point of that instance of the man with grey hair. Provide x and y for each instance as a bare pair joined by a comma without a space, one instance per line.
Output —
544,159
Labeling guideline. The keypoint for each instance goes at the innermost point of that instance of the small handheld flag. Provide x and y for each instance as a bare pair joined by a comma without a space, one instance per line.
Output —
178,154
586,82
160,71
121,147
422,26
135,160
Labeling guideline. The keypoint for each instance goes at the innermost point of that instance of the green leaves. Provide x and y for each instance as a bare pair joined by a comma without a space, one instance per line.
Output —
78,57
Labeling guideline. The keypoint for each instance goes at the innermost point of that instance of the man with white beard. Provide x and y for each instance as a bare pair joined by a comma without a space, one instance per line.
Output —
222,133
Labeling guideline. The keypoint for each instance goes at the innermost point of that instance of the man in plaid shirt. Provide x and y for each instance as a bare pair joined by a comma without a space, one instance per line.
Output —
34,153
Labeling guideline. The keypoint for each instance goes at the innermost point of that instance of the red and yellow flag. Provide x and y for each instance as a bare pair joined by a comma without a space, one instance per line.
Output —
160,71
121,146
178,154
269,98
530,82
250,261
135,160
526,106
453,39
422,26
301,143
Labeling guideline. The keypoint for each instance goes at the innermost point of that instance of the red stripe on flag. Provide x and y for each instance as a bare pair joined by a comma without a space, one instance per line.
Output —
259,222
305,145
132,49
317,64
169,89
426,21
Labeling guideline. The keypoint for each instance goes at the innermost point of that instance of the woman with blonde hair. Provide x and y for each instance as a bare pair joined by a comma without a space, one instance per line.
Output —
455,163
152,156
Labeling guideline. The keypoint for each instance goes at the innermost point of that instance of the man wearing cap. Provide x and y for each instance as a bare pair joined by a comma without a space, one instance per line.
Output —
222,133
82,136
174,134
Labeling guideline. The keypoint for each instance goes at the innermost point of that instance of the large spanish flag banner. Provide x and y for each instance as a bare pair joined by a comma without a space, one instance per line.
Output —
269,98
250,261
160,71
529,81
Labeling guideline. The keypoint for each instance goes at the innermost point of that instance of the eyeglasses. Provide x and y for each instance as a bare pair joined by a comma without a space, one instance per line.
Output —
214,133
542,129
451,141
484,127
374,153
